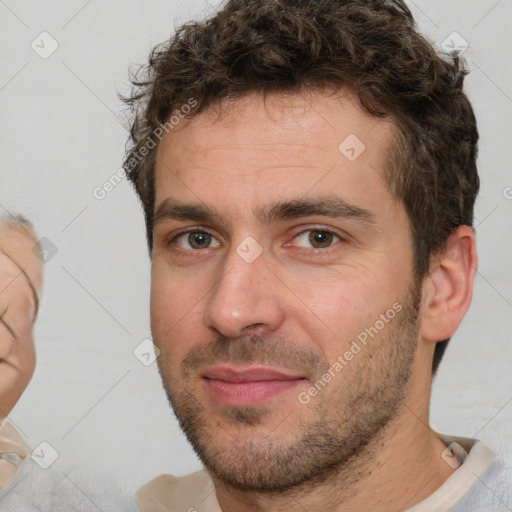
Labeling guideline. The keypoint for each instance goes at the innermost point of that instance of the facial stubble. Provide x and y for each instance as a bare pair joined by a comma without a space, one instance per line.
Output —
346,418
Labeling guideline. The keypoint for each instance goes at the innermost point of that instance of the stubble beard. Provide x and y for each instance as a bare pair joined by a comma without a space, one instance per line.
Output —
347,417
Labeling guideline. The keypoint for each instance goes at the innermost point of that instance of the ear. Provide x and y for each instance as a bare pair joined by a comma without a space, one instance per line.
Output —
448,289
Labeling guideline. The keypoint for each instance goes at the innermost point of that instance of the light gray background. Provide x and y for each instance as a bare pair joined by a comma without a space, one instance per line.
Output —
90,398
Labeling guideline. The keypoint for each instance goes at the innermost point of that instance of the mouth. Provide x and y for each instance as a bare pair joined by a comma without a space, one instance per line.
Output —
249,385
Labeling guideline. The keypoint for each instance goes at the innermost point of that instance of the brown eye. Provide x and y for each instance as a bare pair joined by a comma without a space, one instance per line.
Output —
199,240
320,239
195,240
316,239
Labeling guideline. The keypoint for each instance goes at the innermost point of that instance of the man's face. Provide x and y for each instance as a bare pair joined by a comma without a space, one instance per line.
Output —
277,248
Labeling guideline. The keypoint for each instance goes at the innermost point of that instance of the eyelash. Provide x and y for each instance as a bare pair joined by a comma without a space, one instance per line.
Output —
309,250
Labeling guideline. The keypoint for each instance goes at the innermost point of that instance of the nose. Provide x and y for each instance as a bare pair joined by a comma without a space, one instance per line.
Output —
245,298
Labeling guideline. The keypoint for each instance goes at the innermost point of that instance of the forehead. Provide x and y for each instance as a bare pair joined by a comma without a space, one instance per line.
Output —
283,146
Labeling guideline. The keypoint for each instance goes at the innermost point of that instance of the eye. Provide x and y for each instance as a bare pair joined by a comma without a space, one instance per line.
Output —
195,240
317,238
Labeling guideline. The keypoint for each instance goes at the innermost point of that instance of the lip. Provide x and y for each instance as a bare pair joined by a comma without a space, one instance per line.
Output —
247,386
247,374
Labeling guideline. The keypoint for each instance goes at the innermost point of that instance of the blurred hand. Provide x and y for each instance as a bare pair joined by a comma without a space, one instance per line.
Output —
20,288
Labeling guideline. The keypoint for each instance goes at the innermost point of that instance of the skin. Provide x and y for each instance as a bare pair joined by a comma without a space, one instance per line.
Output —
20,288
364,441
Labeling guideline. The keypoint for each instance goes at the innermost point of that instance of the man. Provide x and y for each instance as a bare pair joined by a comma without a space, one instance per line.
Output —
308,176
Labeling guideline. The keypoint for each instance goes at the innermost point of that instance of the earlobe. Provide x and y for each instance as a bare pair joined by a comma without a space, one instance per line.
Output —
449,287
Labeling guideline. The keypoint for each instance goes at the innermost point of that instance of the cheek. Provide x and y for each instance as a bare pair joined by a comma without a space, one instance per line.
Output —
334,312
175,313
168,302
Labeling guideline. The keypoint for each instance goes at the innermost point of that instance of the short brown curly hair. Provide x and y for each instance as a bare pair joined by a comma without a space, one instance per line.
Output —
372,46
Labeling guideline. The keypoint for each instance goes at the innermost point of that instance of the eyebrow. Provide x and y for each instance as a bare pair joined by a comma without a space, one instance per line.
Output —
335,207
